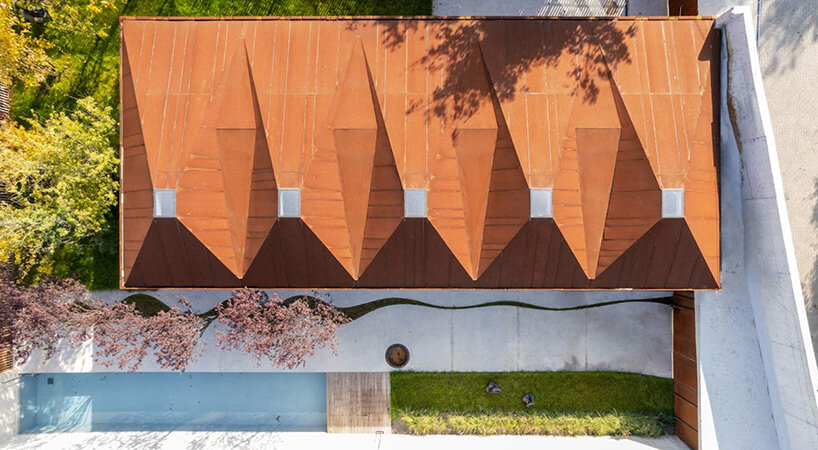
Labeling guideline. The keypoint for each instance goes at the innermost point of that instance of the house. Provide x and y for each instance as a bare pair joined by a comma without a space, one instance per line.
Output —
415,153
423,153
560,164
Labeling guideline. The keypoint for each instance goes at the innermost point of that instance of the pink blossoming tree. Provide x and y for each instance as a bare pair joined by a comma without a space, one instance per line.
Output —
40,317
124,337
37,318
284,332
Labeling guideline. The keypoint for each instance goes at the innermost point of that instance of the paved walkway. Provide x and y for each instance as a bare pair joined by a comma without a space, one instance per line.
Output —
178,440
788,43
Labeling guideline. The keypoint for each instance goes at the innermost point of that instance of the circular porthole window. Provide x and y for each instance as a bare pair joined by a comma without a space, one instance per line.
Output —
397,355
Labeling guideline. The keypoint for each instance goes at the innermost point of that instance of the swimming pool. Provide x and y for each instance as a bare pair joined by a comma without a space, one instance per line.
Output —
149,401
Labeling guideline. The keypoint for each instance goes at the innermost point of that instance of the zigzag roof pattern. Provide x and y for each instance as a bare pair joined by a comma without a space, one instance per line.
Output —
606,114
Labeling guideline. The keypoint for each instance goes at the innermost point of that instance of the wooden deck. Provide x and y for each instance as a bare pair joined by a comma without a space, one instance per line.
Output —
358,402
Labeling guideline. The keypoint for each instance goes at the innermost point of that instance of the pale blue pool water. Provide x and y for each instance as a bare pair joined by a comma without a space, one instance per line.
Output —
173,401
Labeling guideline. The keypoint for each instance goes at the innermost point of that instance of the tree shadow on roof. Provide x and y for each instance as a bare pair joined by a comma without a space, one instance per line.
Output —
509,50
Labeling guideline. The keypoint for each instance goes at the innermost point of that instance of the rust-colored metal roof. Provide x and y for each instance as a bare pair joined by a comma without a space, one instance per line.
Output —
608,115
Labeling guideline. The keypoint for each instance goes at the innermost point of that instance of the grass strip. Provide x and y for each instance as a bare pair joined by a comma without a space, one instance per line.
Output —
535,423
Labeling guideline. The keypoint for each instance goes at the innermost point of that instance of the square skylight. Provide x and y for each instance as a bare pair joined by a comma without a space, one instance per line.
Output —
414,203
542,203
289,203
164,203
673,203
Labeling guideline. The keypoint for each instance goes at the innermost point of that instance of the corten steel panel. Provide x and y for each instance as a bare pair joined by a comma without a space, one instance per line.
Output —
685,399
477,111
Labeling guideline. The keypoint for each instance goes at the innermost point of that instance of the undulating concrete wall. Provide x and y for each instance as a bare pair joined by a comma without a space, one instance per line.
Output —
759,273
628,337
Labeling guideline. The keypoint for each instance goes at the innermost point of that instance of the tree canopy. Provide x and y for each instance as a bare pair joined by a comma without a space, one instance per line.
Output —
48,316
60,179
22,55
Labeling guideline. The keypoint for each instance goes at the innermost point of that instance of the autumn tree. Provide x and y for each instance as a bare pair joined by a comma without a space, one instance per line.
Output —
43,316
124,336
22,55
30,52
283,332
60,180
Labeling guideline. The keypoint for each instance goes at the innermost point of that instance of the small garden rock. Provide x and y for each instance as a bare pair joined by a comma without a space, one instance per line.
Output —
528,399
492,388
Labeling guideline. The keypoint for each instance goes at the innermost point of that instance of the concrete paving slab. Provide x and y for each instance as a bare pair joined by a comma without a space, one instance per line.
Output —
788,43
284,441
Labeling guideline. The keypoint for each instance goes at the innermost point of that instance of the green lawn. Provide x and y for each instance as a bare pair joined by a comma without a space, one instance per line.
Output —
91,67
566,403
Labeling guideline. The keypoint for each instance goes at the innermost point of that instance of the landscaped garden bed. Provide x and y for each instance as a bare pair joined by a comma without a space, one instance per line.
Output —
565,403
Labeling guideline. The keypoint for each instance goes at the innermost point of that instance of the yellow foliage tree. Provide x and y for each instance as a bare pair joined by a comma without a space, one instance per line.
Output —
60,179
22,55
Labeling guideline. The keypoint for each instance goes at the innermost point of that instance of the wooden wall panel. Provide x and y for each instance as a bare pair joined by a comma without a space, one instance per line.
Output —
5,102
6,355
358,402
685,398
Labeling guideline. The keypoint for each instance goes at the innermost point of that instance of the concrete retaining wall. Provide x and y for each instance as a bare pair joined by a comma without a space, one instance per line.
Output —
630,337
9,404
757,367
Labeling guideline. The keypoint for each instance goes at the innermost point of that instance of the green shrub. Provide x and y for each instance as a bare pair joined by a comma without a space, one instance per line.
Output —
148,305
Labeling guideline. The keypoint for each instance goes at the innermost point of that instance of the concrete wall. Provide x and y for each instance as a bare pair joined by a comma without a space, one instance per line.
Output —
734,404
9,404
788,43
630,337
758,270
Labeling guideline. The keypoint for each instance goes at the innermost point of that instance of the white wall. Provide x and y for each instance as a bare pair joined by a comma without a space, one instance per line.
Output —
9,404
632,337
763,275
